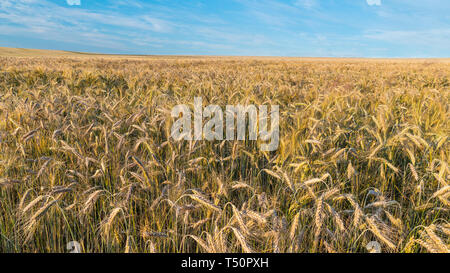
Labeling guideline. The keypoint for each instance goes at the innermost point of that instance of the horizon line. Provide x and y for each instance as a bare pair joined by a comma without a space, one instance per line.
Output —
203,55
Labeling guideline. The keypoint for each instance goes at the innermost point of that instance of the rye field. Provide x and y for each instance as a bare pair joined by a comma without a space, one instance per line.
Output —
86,155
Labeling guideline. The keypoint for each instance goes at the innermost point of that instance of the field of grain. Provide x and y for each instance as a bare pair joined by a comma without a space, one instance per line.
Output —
86,155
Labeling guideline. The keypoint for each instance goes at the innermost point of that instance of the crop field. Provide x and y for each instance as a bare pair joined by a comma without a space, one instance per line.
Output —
86,155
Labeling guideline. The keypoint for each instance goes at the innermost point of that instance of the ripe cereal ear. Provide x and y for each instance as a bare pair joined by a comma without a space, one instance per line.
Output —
86,154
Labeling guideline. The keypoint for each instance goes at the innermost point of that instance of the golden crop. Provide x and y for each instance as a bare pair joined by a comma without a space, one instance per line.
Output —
85,155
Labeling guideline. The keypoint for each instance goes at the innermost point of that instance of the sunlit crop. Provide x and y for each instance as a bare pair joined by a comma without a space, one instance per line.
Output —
86,155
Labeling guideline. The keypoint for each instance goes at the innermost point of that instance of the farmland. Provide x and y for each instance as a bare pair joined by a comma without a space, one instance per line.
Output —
86,155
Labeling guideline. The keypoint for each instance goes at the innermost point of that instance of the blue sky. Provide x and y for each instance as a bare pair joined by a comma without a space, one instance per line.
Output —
334,28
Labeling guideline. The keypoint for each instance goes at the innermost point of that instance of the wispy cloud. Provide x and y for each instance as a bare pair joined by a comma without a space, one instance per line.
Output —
150,28
374,2
107,29
54,16
74,2
308,4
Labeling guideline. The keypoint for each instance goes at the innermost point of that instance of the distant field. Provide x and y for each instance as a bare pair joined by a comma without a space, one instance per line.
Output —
22,52
85,155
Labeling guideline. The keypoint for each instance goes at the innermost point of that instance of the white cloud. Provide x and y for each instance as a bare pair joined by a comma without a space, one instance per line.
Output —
306,3
74,2
104,29
374,2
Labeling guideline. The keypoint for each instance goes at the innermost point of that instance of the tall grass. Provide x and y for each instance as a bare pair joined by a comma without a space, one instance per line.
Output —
85,155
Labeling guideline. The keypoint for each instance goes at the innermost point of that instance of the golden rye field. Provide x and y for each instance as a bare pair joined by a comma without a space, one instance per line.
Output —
85,155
